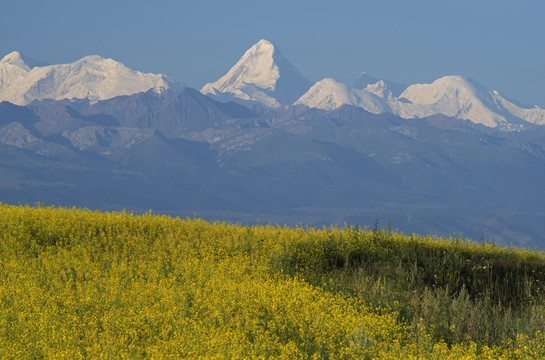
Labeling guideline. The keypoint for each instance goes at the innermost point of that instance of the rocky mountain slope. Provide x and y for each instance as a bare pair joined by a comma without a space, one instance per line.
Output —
440,158
183,153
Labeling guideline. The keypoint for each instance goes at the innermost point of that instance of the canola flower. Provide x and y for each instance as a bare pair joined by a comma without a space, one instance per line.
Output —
79,284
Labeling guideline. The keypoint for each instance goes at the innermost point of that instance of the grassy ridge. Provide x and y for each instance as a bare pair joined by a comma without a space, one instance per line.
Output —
83,284
458,289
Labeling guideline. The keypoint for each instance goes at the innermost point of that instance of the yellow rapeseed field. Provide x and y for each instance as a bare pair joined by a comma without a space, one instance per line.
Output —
85,284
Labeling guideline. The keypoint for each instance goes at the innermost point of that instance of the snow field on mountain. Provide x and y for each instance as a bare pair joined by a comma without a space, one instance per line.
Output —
92,77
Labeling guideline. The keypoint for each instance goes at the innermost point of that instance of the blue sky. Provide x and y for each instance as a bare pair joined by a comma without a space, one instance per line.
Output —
499,43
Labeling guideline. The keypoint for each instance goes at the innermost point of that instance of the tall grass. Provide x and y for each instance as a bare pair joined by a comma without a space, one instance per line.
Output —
458,289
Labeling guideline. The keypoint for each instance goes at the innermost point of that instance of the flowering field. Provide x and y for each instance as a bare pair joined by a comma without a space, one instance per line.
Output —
84,284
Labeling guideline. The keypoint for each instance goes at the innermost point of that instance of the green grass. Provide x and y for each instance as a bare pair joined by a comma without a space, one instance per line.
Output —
459,289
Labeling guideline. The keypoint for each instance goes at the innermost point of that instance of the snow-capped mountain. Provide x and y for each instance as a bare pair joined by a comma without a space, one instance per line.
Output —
383,88
535,115
464,98
262,75
329,94
454,96
265,76
91,77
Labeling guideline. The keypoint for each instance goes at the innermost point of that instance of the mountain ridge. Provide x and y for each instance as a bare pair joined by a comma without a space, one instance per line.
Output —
182,152
263,75
454,96
92,77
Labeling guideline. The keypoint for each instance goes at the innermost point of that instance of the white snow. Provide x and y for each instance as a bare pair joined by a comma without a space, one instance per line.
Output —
92,77
14,58
535,115
329,94
264,75
256,67
256,77
454,96
380,89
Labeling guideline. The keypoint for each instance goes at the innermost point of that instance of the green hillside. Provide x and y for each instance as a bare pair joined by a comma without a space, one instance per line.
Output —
86,284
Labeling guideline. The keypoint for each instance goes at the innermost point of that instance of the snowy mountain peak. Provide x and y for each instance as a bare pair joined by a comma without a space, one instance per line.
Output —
257,67
454,96
329,94
454,86
94,58
15,58
262,75
262,47
457,96
92,77
364,80
380,89
12,56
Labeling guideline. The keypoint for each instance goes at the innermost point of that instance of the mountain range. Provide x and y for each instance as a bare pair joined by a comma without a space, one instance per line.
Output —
281,149
263,75
93,78
257,77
